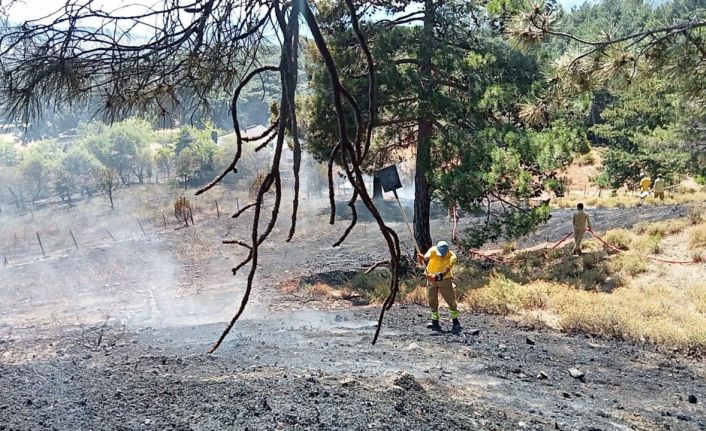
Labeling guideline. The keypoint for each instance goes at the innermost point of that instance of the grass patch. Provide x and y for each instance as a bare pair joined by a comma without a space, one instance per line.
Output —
373,286
663,228
697,238
651,244
629,264
503,296
621,239
696,214
682,196
509,247
656,314
320,290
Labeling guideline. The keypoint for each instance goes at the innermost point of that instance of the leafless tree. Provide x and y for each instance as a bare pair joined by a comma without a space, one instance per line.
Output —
138,59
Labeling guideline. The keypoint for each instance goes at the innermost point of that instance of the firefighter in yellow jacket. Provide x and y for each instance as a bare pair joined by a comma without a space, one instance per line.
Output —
440,262
580,221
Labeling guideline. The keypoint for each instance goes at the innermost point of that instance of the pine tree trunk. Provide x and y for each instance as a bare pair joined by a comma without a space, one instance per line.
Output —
377,187
422,192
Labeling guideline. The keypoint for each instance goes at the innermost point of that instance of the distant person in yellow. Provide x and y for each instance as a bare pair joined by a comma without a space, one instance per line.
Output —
659,188
645,183
581,221
440,262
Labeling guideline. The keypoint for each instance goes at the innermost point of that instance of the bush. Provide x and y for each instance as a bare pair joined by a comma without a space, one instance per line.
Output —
663,228
619,238
509,247
696,215
629,263
365,282
697,238
651,244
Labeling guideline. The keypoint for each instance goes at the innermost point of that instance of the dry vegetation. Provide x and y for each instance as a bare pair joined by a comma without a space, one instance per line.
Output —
603,292
620,295
621,200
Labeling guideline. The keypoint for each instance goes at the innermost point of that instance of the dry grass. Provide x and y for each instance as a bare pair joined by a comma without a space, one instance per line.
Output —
620,295
655,314
649,244
629,264
623,201
509,247
620,238
320,290
663,228
697,237
417,295
290,286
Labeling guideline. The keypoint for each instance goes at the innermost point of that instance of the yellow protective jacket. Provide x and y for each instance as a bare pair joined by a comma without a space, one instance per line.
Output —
645,184
437,263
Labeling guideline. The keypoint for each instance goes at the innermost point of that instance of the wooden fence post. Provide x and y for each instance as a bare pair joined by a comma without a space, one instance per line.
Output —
141,228
40,245
165,221
218,212
73,238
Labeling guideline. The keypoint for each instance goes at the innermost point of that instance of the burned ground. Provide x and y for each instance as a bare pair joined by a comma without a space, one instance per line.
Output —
296,364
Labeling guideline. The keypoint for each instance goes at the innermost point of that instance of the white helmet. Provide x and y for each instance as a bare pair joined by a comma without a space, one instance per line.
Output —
442,247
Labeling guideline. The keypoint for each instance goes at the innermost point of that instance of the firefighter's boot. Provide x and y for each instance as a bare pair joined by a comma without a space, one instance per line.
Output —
434,326
456,328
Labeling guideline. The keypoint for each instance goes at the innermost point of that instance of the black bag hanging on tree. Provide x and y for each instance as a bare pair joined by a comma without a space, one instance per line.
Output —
390,180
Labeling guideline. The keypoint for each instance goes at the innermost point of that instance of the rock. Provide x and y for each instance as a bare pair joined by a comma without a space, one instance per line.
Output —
413,346
530,341
502,346
473,332
684,418
692,399
566,395
577,374
348,382
542,375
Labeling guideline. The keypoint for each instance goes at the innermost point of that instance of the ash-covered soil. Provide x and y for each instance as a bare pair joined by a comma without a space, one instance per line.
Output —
291,364
317,370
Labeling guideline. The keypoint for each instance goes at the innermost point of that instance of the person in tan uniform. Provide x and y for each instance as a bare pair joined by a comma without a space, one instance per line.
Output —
440,262
658,188
580,221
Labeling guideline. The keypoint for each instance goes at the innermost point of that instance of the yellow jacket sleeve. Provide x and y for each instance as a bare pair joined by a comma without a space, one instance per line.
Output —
427,255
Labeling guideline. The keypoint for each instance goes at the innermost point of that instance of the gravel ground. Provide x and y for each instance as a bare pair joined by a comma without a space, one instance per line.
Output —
292,366
317,370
